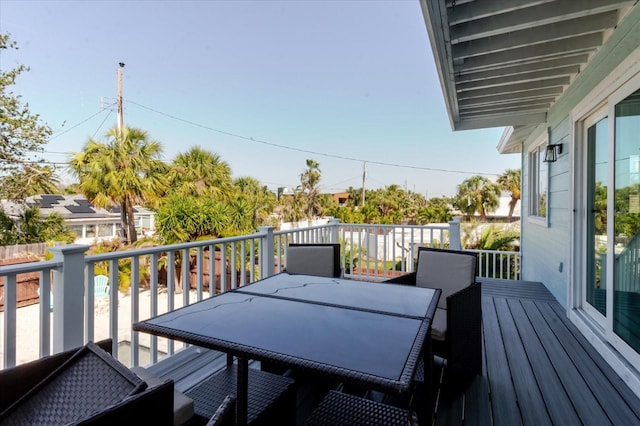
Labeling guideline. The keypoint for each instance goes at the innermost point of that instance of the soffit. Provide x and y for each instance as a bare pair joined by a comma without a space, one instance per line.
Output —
505,63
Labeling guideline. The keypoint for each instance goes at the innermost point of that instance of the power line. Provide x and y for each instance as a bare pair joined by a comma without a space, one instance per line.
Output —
341,157
80,123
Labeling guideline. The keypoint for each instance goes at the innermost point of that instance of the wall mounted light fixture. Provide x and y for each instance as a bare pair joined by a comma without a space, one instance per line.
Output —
551,153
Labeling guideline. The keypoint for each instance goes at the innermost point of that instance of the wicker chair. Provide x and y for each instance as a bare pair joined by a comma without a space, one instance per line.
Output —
342,409
322,260
81,386
271,397
456,332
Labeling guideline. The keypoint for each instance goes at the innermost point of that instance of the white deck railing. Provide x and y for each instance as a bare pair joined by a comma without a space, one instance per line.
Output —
159,280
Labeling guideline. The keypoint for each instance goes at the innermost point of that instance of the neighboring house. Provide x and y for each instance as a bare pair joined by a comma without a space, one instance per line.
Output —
91,224
564,77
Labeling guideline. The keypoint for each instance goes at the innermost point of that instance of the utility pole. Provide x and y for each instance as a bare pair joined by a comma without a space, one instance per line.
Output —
120,112
364,176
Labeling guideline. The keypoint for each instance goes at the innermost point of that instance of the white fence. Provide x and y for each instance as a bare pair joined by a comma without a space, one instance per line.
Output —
160,279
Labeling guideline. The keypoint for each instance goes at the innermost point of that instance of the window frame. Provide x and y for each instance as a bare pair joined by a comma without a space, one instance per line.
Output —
535,159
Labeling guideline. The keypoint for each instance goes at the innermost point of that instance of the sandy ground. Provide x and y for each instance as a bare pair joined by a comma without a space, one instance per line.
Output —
28,326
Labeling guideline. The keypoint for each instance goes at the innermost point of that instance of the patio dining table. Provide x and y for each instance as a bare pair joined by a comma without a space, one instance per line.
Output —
369,334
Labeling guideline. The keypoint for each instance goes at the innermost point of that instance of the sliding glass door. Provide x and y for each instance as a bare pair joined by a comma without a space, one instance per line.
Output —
611,226
626,217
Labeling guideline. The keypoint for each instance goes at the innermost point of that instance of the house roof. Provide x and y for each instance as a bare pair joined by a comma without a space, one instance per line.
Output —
68,206
505,63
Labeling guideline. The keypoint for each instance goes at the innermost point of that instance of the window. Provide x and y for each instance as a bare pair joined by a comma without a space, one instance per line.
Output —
538,182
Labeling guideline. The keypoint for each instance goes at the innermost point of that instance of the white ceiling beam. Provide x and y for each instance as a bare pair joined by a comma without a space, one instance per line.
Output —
492,80
535,35
538,66
515,96
514,103
501,120
519,87
485,8
581,44
548,13
501,110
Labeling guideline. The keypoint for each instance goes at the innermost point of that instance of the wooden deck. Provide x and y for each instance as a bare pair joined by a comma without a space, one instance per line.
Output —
538,369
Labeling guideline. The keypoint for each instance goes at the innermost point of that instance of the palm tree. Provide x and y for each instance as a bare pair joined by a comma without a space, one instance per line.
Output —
477,194
510,181
123,171
200,172
310,179
261,200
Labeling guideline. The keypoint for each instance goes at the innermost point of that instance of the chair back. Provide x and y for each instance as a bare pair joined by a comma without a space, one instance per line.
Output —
100,286
322,260
449,270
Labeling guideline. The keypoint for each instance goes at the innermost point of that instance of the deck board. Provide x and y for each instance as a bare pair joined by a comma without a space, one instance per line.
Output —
538,368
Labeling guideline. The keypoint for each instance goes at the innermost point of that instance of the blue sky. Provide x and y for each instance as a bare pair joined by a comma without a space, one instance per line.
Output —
354,80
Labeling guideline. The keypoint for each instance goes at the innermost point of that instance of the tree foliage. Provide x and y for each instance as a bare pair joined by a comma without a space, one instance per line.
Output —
510,181
125,171
22,134
30,228
199,172
310,181
477,194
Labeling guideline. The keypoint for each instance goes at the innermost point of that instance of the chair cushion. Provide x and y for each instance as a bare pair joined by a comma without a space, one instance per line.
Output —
311,260
439,325
182,405
445,270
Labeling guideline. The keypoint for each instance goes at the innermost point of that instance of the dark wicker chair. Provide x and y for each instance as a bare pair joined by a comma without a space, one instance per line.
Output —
456,332
80,386
271,397
322,260
225,415
342,409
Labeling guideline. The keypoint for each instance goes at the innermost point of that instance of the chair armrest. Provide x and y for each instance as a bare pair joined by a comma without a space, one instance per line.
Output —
409,279
225,415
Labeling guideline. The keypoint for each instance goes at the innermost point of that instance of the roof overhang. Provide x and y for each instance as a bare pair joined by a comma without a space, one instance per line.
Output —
505,63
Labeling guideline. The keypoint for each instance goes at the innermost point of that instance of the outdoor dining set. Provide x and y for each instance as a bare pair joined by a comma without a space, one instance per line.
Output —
374,342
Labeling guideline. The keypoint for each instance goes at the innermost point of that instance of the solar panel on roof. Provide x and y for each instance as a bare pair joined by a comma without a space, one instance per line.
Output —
82,206
47,201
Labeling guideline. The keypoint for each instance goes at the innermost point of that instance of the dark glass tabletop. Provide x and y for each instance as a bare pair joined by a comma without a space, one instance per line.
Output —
368,346
381,297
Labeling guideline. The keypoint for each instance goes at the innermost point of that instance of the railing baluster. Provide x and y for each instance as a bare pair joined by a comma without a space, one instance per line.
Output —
153,300
10,318
135,308
113,304
45,313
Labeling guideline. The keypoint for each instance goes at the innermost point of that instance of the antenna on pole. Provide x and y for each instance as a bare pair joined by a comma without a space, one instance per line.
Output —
120,113
364,176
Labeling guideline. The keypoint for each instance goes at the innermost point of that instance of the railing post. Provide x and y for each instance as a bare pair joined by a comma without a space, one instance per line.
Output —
268,249
455,242
68,294
335,230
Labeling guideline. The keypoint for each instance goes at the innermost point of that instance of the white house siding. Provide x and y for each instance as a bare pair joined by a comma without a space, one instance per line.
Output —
544,248
547,247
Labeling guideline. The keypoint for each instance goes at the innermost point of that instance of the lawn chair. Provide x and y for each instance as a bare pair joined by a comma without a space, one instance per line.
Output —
321,260
100,286
456,331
